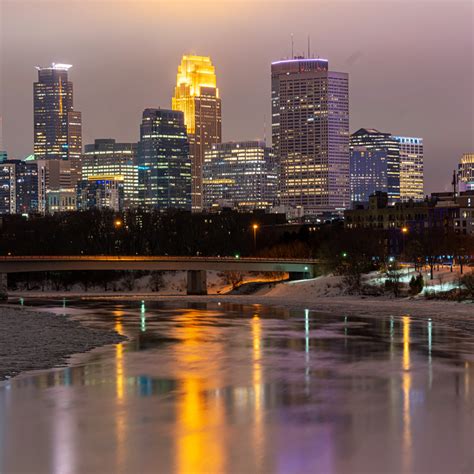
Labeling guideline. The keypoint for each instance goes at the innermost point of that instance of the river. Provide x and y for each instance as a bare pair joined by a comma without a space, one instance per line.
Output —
220,387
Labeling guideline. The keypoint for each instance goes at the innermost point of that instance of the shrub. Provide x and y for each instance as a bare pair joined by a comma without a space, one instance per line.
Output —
156,281
468,282
416,284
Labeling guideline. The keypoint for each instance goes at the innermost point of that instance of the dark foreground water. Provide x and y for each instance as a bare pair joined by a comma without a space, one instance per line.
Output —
229,388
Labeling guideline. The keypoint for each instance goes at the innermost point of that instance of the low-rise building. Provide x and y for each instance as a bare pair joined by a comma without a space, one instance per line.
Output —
442,210
101,192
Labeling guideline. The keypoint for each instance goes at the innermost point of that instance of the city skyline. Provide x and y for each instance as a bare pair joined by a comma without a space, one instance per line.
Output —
383,95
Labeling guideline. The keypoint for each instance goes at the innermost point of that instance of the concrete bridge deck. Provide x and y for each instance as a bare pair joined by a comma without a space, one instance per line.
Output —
195,266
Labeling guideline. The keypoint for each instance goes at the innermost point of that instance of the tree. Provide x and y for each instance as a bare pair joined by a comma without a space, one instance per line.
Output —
416,284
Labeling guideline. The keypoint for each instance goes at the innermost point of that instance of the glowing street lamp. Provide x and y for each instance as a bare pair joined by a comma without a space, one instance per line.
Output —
255,228
118,223
404,230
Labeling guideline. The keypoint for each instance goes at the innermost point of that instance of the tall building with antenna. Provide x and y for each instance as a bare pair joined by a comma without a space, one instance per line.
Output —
57,126
197,96
310,134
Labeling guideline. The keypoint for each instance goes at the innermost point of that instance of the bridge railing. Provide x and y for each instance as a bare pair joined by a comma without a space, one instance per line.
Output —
137,258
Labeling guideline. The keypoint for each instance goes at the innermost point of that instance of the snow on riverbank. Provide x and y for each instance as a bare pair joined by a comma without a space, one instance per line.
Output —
170,284
32,340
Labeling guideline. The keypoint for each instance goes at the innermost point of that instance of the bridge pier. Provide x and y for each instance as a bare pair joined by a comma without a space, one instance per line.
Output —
197,282
3,286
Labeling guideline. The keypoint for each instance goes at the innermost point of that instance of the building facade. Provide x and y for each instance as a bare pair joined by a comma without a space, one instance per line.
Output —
240,175
442,211
197,96
101,192
19,187
8,188
57,126
164,165
411,168
112,160
374,165
466,172
310,134
57,182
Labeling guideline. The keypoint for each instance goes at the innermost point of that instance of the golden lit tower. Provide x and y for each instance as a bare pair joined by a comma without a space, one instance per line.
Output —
197,96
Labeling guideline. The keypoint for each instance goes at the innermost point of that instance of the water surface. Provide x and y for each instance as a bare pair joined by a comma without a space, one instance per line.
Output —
231,388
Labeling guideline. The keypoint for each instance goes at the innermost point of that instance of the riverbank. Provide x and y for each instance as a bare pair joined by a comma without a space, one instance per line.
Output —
33,340
319,294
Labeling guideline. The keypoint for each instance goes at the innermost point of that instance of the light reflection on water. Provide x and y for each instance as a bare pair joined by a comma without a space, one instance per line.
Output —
219,388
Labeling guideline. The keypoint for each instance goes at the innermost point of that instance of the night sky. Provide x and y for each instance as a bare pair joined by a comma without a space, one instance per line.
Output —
410,63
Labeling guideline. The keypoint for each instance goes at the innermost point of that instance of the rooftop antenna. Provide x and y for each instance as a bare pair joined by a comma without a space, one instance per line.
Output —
309,47
292,47
265,128
454,183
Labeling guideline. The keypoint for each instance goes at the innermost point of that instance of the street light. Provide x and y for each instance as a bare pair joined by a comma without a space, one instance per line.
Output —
255,228
118,223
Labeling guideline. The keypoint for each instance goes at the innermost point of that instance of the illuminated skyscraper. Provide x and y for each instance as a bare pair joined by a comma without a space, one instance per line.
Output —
197,96
375,165
18,187
466,172
240,175
113,161
164,167
57,126
310,134
411,168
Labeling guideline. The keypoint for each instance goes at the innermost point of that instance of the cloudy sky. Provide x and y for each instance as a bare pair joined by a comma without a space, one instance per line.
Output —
410,63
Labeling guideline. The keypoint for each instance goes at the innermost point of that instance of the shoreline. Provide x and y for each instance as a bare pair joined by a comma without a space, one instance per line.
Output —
33,338
348,304
38,340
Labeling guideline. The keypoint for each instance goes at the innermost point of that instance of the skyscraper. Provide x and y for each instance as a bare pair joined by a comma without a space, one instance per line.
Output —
164,166
113,161
197,96
241,175
375,165
411,168
466,172
310,134
18,187
57,126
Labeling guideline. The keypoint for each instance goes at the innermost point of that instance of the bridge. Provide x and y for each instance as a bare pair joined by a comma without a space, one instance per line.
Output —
196,267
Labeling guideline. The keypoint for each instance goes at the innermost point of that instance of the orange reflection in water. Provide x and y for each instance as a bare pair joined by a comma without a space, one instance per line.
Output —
406,389
120,416
200,445
257,387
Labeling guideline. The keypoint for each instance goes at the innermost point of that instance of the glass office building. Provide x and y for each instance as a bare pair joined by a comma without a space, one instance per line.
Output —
411,168
107,158
57,126
164,165
310,134
240,175
375,165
